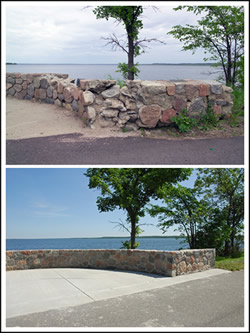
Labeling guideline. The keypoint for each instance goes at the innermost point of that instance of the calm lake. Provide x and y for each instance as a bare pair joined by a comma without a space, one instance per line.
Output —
147,72
157,243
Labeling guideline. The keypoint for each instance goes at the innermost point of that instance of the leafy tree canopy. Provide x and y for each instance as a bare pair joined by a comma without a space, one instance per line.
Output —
220,33
183,208
224,189
127,15
130,189
130,18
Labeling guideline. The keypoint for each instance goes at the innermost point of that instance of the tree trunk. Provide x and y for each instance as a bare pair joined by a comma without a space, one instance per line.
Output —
130,54
229,64
227,248
192,241
133,233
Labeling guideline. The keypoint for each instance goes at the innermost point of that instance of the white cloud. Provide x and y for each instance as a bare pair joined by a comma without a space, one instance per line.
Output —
61,33
48,210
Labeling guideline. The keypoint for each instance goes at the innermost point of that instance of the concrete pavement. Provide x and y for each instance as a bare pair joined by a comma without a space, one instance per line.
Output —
55,297
26,119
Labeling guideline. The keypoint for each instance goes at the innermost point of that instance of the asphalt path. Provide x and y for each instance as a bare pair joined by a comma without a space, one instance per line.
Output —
215,301
75,149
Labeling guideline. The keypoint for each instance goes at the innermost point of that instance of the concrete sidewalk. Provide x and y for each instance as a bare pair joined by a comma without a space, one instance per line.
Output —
30,291
26,119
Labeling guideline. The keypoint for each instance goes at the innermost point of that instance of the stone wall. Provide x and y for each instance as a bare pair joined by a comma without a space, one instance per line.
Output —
138,104
158,262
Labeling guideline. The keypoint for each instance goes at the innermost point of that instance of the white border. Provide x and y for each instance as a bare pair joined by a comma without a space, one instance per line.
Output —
4,5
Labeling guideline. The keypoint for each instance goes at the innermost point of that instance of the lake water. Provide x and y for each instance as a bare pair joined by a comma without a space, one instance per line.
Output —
147,72
165,244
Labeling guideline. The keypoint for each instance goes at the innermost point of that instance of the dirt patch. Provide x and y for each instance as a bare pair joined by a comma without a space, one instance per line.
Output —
26,119
224,130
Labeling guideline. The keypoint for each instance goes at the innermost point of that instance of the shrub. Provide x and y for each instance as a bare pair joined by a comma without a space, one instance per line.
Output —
183,122
209,119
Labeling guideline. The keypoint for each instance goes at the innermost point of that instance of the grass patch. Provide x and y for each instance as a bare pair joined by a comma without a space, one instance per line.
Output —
230,264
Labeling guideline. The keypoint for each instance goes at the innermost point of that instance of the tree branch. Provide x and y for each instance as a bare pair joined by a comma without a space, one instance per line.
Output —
147,40
114,42
120,225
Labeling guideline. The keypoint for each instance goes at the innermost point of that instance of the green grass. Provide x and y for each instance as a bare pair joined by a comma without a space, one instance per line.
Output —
230,264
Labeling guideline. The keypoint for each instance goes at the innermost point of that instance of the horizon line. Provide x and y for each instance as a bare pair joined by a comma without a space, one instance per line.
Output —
153,63
93,237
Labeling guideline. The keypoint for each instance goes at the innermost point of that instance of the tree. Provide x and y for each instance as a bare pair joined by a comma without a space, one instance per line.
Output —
182,208
130,17
224,188
130,189
220,32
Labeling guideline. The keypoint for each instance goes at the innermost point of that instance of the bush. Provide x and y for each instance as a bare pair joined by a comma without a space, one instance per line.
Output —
209,119
127,245
183,122
238,106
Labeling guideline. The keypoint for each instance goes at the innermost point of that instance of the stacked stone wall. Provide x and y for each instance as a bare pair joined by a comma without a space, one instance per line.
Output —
137,104
158,262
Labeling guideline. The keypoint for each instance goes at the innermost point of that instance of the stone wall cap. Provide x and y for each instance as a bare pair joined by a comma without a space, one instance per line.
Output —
120,250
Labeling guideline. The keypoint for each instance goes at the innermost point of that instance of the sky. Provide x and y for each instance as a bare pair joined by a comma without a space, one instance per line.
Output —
68,32
57,203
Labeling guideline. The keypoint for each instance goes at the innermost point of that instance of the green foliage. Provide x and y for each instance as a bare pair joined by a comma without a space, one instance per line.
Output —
142,131
183,122
183,209
239,73
130,189
224,189
124,69
119,82
211,234
238,107
220,33
209,215
129,16
127,245
209,119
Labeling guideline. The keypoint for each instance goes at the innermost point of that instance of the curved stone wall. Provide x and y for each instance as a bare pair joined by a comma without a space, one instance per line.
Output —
158,262
137,104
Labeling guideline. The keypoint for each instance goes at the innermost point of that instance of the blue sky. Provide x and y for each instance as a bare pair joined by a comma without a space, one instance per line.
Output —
56,202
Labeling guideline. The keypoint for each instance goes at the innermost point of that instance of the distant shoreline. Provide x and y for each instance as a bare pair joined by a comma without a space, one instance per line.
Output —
104,237
152,64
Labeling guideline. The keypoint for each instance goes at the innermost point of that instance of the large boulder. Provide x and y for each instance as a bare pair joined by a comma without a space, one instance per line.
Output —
153,92
112,92
30,90
166,116
96,86
87,97
110,113
114,104
150,115
67,92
